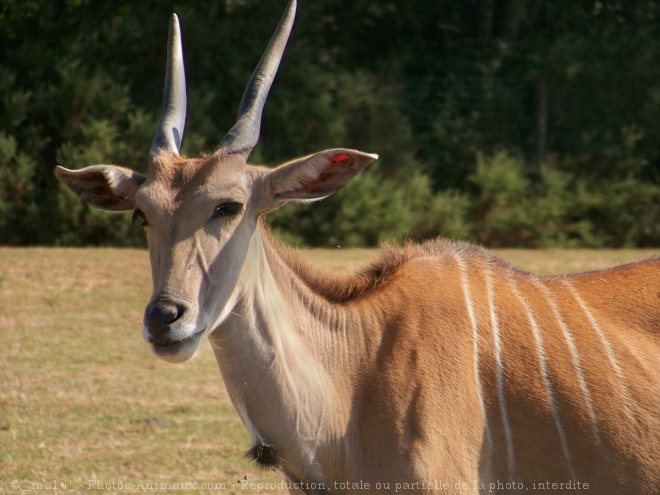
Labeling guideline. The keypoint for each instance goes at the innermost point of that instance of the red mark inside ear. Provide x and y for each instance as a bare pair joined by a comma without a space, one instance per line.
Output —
340,158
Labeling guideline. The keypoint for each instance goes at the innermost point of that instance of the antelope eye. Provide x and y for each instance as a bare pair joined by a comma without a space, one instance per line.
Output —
229,209
139,215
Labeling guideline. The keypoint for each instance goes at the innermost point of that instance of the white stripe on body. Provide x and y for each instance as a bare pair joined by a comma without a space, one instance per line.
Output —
608,349
575,358
544,374
499,373
462,266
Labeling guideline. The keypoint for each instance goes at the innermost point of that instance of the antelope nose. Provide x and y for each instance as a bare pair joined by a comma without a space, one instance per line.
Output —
158,318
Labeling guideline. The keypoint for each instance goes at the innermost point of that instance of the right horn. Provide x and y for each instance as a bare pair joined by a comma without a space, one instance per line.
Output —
173,118
243,137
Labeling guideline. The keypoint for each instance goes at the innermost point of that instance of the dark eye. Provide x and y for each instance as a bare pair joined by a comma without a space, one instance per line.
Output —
229,209
139,215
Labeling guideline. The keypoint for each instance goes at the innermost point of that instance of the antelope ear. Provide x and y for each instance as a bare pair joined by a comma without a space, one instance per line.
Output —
316,176
104,186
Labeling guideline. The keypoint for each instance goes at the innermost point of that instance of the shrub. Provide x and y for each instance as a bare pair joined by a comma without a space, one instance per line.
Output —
18,208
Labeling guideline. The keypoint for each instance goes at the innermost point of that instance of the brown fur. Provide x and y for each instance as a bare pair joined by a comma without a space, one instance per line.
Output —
176,171
345,288
416,394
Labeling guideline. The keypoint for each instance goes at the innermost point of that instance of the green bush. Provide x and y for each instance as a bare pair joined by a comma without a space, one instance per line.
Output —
558,210
18,206
503,214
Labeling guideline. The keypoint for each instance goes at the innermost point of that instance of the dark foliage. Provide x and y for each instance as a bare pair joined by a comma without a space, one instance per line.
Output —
517,122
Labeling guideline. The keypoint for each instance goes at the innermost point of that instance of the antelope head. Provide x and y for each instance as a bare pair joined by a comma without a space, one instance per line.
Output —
200,214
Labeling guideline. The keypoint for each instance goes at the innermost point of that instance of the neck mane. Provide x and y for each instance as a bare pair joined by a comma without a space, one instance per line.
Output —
340,288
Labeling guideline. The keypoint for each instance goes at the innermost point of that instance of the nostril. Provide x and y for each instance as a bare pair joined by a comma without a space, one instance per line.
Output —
161,315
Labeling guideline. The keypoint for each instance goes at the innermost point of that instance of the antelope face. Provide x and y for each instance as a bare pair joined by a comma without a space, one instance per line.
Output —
200,214
198,227
198,217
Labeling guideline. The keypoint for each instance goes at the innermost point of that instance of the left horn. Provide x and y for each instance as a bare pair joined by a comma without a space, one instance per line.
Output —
173,119
243,137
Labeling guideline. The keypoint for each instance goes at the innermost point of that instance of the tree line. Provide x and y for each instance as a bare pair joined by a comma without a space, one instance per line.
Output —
507,122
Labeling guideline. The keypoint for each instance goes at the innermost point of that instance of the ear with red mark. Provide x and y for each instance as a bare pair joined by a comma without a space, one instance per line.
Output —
316,176
104,186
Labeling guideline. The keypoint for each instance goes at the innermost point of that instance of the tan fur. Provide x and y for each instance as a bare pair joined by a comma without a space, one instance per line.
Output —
413,413
174,170
436,368
344,288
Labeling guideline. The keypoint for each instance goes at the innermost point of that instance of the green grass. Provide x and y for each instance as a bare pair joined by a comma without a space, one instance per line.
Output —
82,397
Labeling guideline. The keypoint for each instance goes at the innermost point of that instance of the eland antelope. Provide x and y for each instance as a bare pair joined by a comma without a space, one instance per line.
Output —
438,368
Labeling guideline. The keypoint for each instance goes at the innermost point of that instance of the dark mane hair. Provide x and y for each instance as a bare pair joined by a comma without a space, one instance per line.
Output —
341,288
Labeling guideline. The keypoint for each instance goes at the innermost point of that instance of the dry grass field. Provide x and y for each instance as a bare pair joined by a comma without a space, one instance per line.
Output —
84,404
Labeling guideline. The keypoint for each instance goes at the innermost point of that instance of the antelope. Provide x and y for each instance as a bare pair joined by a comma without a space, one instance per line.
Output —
436,368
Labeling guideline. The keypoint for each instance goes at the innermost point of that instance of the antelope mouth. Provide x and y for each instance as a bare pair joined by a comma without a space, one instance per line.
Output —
179,351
